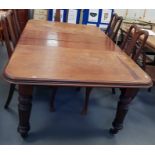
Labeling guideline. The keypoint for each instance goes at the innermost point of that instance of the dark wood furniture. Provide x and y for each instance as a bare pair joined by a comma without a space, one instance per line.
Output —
134,42
23,16
114,26
1,29
8,33
10,38
150,43
149,66
57,15
63,54
18,28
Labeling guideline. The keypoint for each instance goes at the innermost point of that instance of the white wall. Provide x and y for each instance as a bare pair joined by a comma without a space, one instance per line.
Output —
145,14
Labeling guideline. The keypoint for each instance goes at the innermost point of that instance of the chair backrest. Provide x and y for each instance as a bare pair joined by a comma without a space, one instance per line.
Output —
11,27
114,26
18,28
134,42
7,36
57,15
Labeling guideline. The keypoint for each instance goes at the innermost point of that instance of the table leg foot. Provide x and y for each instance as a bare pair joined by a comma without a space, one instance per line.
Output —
127,95
23,132
24,109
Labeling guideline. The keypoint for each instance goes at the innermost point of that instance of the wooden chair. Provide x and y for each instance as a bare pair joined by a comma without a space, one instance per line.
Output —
1,29
149,69
134,42
1,34
16,23
10,42
132,46
114,26
57,15
14,27
10,23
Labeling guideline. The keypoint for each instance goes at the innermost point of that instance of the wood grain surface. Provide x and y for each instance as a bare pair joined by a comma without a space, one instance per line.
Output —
51,53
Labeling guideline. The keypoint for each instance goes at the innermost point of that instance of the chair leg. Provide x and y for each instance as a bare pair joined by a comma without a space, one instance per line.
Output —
113,91
78,88
149,90
85,108
52,106
11,91
1,38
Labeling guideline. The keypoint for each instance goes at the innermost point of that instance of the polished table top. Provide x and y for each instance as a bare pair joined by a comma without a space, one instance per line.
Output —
53,53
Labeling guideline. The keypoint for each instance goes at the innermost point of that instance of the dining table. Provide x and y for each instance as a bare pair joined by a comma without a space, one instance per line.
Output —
71,55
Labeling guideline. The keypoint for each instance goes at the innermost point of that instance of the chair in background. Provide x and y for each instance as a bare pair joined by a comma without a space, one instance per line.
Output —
1,29
57,15
10,23
114,26
1,34
14,27
10,40
134,42
16,22
132,46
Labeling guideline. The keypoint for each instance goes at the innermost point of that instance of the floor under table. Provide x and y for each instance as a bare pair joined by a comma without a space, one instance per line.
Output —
67,126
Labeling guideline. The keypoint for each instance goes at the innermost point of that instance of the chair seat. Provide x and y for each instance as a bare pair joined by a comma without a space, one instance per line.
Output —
150,70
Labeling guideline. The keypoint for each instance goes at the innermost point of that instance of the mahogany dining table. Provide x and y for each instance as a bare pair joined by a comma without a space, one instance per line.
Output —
63,54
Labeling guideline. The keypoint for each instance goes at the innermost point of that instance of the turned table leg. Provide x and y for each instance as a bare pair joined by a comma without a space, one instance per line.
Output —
24,109
127,95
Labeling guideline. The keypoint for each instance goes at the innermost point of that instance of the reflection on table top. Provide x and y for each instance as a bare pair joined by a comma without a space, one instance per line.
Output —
53,53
